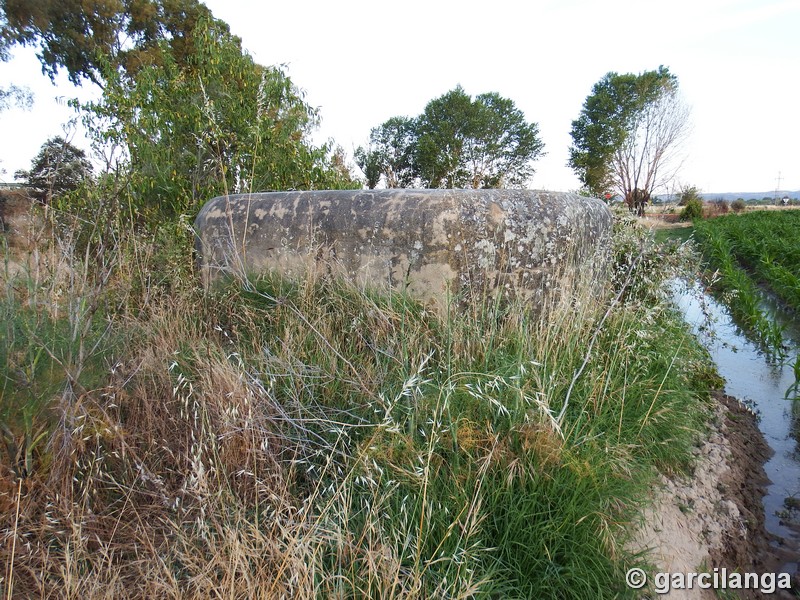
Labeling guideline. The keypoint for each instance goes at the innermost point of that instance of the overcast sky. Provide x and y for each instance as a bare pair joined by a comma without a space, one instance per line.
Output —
361,62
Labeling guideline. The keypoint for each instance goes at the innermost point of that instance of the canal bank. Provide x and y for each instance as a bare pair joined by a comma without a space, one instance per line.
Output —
738,510
761,383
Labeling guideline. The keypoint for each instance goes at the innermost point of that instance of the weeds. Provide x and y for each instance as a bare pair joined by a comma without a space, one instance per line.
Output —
313,439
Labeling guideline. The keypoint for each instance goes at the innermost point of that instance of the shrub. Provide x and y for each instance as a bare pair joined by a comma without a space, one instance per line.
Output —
693,209
688,193
738,205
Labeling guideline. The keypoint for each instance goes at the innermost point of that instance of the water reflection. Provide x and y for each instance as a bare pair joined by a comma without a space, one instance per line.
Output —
758,382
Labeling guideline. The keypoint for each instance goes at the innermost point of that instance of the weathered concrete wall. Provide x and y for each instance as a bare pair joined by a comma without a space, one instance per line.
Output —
429,242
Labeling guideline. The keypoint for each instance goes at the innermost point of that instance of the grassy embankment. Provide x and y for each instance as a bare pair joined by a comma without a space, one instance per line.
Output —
312,439
751,250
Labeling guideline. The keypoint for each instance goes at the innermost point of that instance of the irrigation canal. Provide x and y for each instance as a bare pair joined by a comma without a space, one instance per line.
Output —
762,384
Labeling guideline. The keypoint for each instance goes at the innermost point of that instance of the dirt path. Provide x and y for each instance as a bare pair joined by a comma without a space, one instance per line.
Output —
716,518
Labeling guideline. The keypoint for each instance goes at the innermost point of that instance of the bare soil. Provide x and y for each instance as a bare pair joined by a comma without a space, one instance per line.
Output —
715,519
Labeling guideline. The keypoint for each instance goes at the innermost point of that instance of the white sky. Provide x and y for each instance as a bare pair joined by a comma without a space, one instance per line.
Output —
363,61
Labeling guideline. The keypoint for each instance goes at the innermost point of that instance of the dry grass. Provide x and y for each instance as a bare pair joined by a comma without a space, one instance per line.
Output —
178,477
267,440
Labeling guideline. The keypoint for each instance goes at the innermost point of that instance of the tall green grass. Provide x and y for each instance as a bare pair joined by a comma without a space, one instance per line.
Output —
315,439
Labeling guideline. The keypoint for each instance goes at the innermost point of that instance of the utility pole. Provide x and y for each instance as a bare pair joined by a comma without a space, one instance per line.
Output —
778,185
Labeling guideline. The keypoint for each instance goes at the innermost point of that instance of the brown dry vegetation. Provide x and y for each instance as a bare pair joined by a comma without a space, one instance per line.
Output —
147,455
315,440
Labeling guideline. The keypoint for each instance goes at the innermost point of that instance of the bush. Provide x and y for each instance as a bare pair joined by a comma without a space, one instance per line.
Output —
688,193
738,205
693,209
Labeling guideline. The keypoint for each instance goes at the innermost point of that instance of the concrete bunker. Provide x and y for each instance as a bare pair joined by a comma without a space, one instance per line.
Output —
433,244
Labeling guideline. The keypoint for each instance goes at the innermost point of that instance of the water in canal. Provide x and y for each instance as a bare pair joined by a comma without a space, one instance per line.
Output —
760,383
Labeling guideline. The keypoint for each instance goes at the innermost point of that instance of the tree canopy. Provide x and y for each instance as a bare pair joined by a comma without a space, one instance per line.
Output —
59,167
184,110
13,95
628,133
216,123
456,142
86,36
485,142
390,153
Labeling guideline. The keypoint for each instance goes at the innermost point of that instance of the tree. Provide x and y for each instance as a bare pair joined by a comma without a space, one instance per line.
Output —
485,142
369,162
85,36
339,172
13,94
190,112
455,142
210,123
628,134
442,129
687,193
21,97
390,154
59,167
503,144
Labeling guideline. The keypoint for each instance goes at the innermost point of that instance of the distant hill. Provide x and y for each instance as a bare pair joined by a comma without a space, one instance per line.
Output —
752,195
747,196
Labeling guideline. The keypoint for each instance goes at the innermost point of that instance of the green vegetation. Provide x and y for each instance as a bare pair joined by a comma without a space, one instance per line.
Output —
692,210
752,249
312,439
85,37
390,154
673,234
767,244
627,135
184,113
305,439
457,142
59,168
214,123
689,193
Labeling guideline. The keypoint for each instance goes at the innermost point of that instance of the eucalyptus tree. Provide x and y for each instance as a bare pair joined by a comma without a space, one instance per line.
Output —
187,110
209,123
84,37
16,96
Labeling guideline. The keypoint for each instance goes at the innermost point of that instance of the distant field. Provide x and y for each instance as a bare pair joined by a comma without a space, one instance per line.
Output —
766,244
750,253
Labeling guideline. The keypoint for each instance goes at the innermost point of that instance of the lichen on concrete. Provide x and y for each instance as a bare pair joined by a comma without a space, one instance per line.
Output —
433,244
